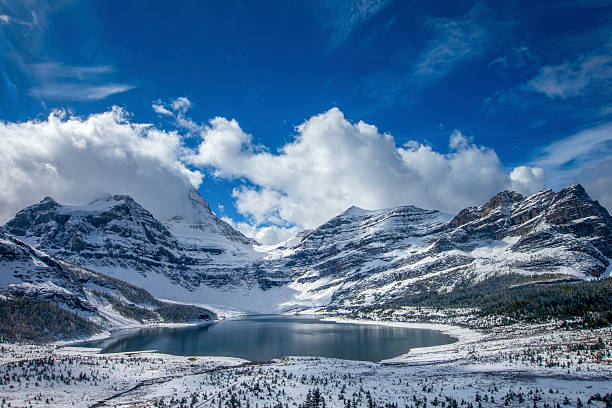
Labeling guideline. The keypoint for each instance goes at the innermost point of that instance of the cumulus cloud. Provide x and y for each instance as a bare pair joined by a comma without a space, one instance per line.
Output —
266,235
161,110
75,160
527,180
332,164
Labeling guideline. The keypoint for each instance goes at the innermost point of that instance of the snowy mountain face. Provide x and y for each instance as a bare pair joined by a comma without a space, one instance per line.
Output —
203,235
368,257
360,257
111,231
26,272
115,234
22,268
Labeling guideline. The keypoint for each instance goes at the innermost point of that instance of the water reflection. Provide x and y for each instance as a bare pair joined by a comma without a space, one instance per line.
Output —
264,337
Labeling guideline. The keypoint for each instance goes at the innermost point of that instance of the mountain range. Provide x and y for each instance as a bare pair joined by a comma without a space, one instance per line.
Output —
358,258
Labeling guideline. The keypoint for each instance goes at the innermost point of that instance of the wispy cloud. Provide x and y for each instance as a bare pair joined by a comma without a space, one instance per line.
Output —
565,158
78,92
71,82
177,109
584,158
573,79
23,27
517,57
341,18
57,70
452,42
585,73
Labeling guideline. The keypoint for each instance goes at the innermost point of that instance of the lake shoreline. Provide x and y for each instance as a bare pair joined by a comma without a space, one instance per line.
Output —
502,363
292,336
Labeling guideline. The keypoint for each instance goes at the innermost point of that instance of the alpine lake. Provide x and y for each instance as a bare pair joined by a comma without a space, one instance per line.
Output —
264,337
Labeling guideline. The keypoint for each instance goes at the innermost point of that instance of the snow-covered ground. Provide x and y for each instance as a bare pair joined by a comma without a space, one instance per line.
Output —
518,365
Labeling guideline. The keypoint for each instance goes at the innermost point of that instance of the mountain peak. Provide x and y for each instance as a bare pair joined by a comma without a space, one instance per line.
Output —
123,197
503,197
47,203
355,211
196,198
575,190
48,199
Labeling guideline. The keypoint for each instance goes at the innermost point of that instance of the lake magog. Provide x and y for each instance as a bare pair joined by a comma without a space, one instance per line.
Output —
260,338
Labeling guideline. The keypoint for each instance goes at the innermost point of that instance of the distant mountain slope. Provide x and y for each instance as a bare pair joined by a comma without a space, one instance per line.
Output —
219,248
88,302
367,257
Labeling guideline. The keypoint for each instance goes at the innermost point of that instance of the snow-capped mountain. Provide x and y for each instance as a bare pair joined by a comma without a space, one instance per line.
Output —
111,231
367,257
204,236
360,257
115,234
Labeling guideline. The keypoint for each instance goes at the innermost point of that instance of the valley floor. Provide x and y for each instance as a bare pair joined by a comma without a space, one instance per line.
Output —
542,365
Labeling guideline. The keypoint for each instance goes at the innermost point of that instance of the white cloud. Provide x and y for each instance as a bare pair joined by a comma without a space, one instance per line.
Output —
181,104
177,108
75,160
160,109
332,164
573,79
266,235
527,180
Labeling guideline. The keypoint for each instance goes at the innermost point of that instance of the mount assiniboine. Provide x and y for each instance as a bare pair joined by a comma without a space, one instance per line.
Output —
360,257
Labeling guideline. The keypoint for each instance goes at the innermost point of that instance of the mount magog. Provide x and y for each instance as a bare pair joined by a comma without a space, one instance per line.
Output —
360,257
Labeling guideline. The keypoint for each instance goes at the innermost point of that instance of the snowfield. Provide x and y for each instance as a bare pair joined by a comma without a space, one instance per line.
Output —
518,365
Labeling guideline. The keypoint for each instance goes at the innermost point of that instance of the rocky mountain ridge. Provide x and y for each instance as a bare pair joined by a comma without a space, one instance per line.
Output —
116,233
360,257
367,257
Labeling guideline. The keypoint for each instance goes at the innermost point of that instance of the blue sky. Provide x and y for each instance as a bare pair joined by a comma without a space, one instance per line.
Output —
524,80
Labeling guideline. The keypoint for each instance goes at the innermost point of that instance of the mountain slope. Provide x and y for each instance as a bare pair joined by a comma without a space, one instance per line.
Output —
117,235
88,302
366,257
110,231
358,258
